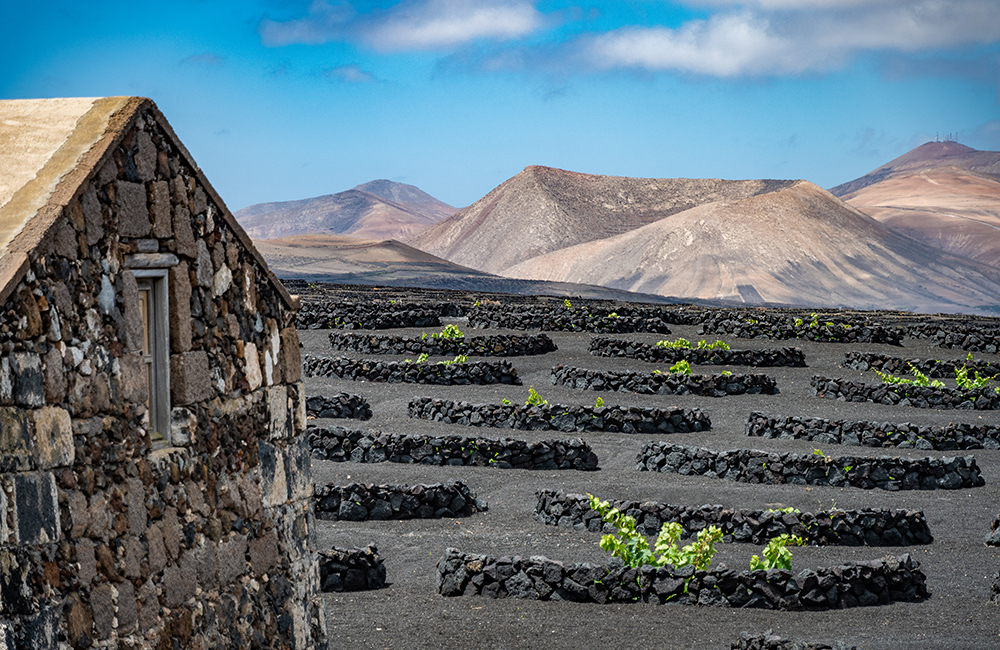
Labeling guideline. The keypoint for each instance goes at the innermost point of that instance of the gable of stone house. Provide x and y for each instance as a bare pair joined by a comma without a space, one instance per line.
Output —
114,529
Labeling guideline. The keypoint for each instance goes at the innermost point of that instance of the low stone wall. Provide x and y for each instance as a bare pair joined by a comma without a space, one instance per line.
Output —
753,466
752,325
555,319
395,372
768,641
342,405
980,399
364,501
993,538
340,444
358,569
930,367
891,579
867,527
558,417
973,338
481,346
369,316
951,437
664,383
770,358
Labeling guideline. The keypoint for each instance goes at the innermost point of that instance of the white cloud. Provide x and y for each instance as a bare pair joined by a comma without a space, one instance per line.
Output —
408,25
348,74
794,36
204,59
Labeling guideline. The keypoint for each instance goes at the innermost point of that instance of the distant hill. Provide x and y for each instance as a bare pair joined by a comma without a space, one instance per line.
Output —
347,260
543,209
758,241
797,245
378,209
943,194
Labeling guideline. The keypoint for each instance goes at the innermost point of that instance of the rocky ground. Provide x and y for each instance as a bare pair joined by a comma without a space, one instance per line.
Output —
408,612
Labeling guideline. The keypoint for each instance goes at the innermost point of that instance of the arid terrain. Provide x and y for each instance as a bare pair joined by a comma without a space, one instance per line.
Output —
409,613
375,210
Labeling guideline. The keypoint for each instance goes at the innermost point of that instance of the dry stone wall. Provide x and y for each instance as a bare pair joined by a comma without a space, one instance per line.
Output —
993,537
110,536
880,582
340,444
770,358
357,569
343,405
974,338
554,319
768,641
753,466
452,374
558,417
930,367
346,316
664,383
758,325
904,435
924,397
480,346
867,527
364,501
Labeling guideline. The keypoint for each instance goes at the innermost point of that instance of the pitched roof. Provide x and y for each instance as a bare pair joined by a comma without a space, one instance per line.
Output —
49,149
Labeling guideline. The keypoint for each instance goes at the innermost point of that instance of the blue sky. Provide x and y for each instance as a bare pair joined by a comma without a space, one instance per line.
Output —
287,99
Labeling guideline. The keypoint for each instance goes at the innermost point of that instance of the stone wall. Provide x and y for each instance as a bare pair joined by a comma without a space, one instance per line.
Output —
993,537
664,383
554,319
924,397
371,316
558,417
756,325
394,372
768,641
769,358
340,444
891,579
904,435
364,501
930,367
342,405
753,466
479,346
358,569
114,537
973,338
867,527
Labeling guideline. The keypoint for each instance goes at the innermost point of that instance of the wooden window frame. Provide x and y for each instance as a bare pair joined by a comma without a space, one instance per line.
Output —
159,390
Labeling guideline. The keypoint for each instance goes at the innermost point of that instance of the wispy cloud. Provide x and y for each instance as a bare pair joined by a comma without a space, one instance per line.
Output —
207,59
409,25
776,37
348,74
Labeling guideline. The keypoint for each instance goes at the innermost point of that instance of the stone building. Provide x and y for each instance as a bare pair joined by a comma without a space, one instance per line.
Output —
155,488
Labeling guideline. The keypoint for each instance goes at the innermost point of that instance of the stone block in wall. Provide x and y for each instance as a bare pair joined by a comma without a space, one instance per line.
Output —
53,376
273,480
179,297
53,437
29,390
36,508
279,422
102,605
189,378
6,382
183,235
131,311
134,378
204,271
251,366
92,215
179,583
298,470
159,199
264,554
133,216
15,440
291,358
183,423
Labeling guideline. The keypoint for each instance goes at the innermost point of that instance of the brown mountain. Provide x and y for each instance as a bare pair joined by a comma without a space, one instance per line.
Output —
941,193
797,245
375,210
544,209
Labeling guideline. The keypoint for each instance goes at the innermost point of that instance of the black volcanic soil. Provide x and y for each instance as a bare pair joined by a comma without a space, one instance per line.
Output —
409,613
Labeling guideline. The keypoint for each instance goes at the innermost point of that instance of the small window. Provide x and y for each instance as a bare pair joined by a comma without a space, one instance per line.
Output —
155,351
